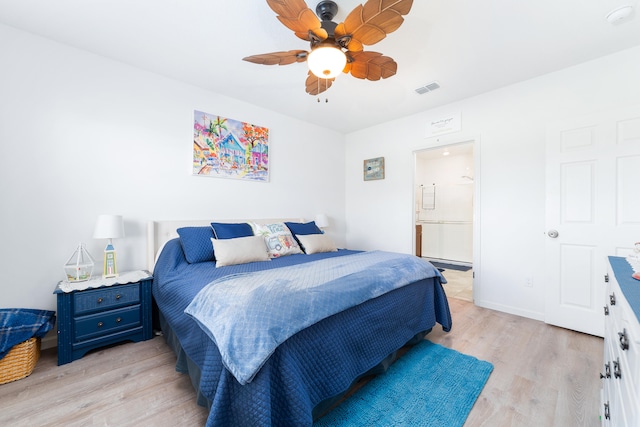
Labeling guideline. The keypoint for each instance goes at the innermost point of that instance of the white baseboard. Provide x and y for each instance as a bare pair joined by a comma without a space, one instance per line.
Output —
50,340
535,315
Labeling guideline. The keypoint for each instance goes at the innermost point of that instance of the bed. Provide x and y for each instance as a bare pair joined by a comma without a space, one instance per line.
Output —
296,376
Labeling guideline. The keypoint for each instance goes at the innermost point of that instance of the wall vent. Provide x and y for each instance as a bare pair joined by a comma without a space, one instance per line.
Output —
427,88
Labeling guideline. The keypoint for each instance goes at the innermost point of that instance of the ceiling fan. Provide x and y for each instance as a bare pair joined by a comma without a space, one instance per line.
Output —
367,24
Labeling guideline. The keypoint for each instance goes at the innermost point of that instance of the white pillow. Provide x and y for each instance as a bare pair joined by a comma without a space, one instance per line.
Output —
314,243
278,238
239,251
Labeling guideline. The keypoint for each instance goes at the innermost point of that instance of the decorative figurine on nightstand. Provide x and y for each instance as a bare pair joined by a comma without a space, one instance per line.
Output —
79,267
109,227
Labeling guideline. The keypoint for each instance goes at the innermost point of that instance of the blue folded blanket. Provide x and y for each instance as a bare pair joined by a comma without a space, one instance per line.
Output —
20,324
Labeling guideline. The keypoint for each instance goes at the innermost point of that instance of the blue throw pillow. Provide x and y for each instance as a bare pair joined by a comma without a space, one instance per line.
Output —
303,228
231,231
196,244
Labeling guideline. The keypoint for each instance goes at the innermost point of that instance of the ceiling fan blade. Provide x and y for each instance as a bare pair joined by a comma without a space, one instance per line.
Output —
370,65
315,85
369,23
296,16
278,58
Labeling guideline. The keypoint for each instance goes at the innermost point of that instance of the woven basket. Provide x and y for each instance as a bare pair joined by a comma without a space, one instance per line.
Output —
20,361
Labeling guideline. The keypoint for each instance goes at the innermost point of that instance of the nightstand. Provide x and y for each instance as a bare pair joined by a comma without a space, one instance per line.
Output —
101,312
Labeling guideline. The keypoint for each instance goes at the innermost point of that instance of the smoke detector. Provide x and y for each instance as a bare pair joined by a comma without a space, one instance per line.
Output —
619,14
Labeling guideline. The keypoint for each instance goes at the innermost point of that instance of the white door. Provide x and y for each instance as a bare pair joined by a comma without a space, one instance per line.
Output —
593,206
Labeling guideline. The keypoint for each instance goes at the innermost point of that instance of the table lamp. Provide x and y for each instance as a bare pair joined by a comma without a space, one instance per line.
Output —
322,221
109,227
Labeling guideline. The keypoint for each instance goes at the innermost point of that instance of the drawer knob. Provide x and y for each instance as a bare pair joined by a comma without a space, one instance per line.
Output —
616,369
607,371
612,298
118,296
100,324
607,415
118,320
99,300
624,340
606,310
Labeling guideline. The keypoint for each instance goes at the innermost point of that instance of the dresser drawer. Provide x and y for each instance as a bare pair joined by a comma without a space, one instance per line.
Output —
107,322
106,298
621,391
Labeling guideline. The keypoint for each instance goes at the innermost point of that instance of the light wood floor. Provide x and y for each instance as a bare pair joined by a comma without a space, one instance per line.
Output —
543,376
459,284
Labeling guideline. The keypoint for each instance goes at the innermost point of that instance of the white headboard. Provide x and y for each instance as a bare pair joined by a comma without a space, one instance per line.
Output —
160,232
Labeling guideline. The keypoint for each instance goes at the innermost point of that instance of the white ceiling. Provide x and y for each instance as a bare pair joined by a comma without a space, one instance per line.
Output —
468,46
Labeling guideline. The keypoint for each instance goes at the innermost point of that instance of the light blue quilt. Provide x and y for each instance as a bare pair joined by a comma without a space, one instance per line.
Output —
249,314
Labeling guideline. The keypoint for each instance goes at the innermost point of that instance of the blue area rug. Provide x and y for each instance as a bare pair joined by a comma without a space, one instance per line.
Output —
430,385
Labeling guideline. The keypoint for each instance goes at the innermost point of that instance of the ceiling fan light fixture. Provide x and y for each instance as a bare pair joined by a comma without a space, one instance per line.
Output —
326,61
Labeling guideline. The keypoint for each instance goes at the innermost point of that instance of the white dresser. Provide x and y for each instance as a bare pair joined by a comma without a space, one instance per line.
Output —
621,372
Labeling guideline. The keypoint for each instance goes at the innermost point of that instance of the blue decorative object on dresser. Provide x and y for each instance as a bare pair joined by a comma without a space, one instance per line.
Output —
101,312
629,286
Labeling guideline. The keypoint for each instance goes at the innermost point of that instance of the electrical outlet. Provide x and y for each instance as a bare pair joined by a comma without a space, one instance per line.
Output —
528,282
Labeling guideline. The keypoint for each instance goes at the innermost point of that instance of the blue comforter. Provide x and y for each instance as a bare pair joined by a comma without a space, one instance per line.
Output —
311,366
273,305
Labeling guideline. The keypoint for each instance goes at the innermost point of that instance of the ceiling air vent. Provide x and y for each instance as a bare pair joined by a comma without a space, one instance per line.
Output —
427,88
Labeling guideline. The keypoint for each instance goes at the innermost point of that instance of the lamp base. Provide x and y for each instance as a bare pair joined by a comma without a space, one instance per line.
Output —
110,266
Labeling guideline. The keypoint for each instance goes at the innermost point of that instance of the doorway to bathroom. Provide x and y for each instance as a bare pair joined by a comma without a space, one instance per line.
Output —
444,212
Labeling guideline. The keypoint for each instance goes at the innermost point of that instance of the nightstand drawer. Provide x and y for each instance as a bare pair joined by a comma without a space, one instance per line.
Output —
107,322
106,298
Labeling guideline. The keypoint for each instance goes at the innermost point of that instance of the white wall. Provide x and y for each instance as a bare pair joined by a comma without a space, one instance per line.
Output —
81,135
509,128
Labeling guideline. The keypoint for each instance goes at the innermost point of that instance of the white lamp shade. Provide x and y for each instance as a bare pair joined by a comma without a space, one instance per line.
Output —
326,61
109,227
322,220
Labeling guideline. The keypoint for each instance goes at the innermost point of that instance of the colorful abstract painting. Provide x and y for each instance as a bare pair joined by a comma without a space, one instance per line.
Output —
228,148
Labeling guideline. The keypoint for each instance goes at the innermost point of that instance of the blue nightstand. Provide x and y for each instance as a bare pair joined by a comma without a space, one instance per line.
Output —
101,312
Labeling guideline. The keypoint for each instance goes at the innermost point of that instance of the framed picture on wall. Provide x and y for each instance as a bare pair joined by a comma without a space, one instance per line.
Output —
227,148
374,169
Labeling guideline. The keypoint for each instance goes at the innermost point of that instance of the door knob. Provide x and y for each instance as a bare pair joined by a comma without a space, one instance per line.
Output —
552,233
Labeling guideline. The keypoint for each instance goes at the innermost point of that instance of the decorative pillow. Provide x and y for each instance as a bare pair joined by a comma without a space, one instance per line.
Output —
278,238
315,243
239,251
196,243
303,227
231,231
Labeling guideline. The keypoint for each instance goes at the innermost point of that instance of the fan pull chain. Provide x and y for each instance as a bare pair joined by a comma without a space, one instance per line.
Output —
326,100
